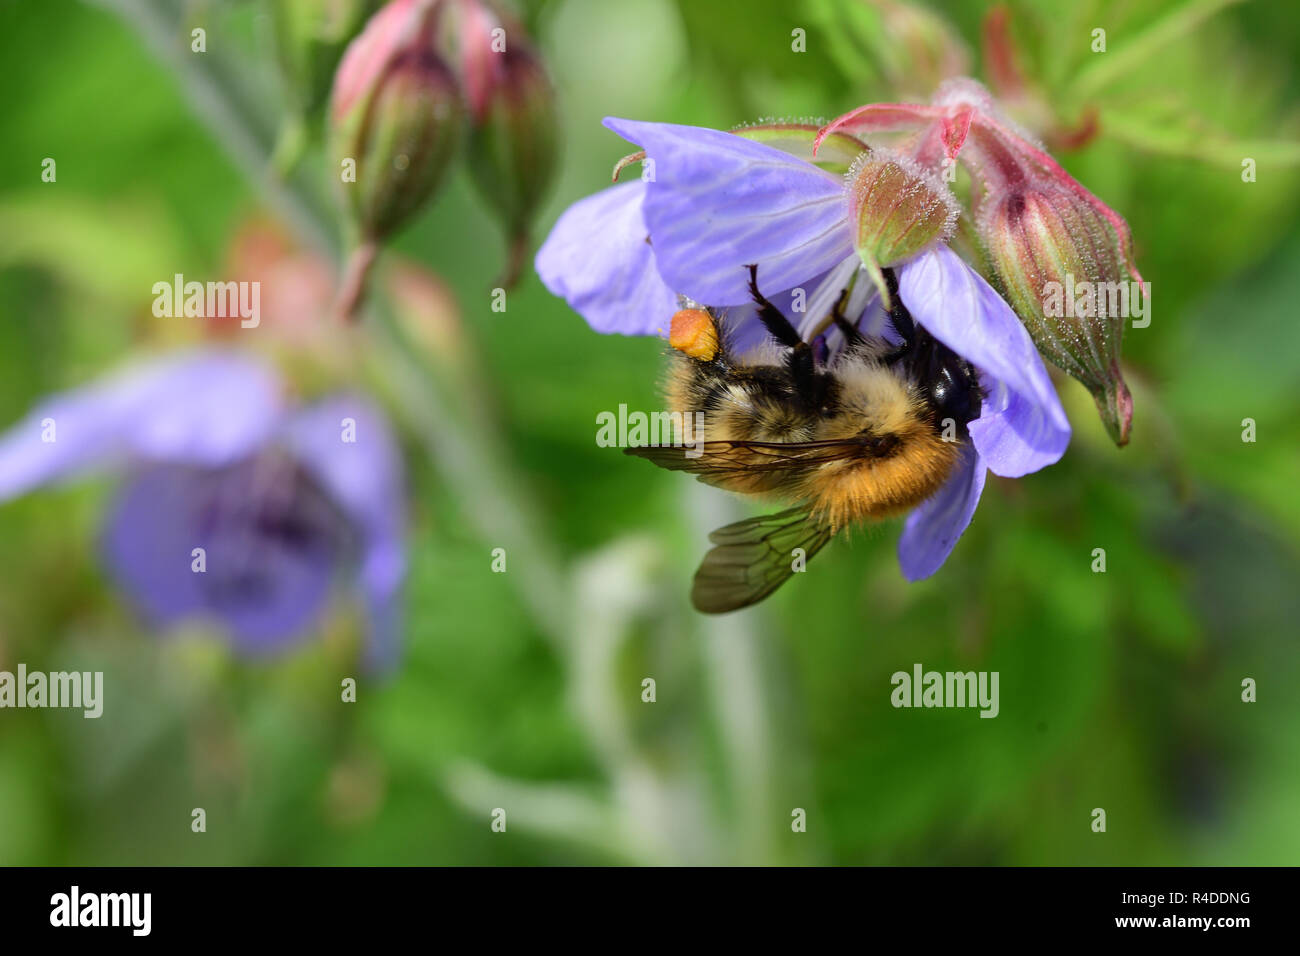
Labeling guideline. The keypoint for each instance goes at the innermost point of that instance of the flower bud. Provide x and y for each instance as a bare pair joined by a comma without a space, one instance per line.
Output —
896,209
1046,236
1056,257
424,306
1063,260
513,123
396,114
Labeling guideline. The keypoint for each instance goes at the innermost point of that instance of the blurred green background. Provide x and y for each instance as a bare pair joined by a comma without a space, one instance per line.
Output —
1119,690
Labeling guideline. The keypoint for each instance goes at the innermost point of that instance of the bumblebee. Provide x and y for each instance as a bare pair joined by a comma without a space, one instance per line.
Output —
857,437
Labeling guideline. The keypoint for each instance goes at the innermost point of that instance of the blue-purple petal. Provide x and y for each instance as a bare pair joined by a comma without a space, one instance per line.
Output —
719,202
271,549
345,443
932,529
1022,427
205,408
148,538
598,259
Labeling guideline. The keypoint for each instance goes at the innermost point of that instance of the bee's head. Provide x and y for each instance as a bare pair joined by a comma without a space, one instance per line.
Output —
954,392
947,381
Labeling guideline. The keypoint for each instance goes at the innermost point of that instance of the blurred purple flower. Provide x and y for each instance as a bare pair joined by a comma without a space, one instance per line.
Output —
718,202
282,501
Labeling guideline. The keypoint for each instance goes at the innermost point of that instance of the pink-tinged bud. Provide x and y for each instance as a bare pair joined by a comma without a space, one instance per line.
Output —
1061,256
394,28
396,117
896,209
425,306
1059,253
1060,266
296,287
513,122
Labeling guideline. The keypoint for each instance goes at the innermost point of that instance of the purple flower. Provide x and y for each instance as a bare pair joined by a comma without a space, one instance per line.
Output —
719,202
598,258
234,506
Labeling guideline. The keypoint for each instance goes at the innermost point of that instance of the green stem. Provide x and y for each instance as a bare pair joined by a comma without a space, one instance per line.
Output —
356,278
474,467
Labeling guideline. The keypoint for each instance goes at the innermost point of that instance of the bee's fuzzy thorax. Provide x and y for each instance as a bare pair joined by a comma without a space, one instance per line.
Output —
876,398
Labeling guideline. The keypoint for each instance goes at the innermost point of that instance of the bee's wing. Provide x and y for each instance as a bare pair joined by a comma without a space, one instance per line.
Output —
761,465
752,558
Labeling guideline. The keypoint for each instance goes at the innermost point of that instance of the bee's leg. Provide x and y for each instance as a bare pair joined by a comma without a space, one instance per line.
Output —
850,331
802,368
900,319
772,318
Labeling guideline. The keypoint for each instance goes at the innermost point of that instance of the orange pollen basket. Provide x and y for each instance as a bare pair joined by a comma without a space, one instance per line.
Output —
694,332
